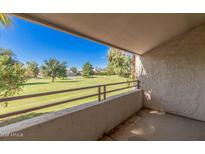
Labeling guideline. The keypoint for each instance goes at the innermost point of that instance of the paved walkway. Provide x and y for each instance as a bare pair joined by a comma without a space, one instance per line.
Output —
154,125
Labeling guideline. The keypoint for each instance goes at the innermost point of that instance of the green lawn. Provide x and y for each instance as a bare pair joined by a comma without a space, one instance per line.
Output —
45,85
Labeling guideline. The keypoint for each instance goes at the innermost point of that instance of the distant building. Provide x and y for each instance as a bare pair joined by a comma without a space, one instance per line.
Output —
97,70
70,73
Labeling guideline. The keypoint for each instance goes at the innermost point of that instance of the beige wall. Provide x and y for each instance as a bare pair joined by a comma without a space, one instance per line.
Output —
85,122
174,75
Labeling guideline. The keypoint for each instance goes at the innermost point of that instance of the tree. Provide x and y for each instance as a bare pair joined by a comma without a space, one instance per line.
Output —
32,69
119,63
133,69
87,70
62,73
12,73
74,70
126,67
53,68
4,19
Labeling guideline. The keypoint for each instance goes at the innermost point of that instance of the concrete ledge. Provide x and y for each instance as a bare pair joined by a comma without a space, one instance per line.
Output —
85,122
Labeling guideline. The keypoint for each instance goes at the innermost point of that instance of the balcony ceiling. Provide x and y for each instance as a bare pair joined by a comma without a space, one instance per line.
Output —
136,33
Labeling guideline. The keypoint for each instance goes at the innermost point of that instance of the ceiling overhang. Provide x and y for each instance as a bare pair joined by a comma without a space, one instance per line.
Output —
136,32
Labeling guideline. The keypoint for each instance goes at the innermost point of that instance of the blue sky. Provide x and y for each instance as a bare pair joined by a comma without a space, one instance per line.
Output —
33,42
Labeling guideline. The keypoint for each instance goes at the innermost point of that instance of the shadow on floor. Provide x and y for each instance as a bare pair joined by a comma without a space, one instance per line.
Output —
155,125
136,138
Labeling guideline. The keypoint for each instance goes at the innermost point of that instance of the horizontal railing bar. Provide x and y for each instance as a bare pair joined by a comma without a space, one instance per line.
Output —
43,94
57,92
45,106
111,84
120,89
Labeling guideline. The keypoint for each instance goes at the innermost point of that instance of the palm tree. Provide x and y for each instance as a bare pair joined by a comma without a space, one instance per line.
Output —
4,19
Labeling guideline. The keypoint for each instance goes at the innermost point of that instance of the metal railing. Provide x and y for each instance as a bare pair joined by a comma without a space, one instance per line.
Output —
100,92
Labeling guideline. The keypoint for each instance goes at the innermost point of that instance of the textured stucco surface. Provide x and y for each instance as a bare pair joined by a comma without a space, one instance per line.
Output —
85,122
174,75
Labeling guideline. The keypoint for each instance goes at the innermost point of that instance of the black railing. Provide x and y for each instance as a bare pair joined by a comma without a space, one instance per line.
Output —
101,91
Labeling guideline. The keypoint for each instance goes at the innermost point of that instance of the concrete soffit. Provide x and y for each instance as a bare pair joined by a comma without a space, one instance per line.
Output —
136,33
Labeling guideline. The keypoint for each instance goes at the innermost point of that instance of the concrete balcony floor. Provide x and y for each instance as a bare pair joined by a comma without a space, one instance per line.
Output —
154,125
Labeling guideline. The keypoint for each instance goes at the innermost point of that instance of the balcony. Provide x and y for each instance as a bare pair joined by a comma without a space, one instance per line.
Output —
167,105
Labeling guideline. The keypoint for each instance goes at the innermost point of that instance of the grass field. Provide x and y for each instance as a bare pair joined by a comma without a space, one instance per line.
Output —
45,85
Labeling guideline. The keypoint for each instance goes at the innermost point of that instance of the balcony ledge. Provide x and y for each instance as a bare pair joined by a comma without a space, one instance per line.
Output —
84,122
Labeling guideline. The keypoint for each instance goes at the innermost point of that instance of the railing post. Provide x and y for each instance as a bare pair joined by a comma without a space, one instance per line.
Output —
138,84
104,88
99,93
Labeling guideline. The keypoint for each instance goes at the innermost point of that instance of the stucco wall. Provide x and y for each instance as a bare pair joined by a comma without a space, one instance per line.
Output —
174,75
85,122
